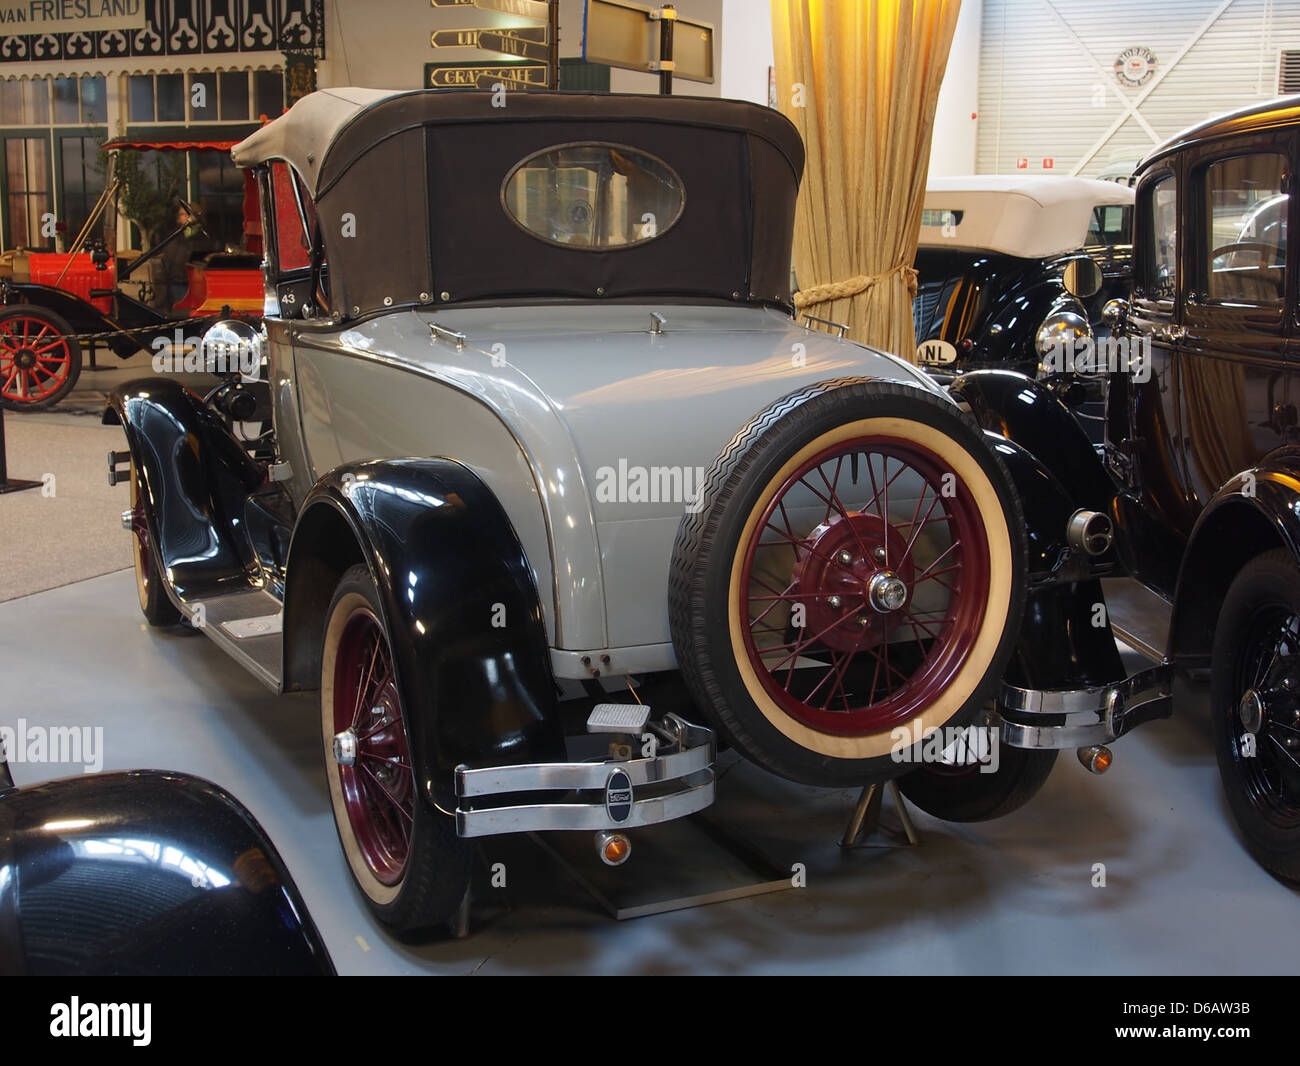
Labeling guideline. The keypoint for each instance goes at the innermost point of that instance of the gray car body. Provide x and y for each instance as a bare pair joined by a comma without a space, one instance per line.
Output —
543,402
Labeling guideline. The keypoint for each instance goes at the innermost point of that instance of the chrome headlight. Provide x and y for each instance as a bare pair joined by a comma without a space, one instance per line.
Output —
1058,341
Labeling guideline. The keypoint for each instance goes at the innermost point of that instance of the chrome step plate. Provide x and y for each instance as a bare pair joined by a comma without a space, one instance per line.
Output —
618,718
243,628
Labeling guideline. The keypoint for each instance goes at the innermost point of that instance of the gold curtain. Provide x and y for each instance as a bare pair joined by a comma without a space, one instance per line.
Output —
860,79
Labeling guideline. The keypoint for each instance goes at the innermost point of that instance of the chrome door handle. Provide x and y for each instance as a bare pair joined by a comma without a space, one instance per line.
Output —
1169,334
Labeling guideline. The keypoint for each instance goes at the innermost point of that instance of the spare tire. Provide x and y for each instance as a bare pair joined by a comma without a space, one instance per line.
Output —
852,578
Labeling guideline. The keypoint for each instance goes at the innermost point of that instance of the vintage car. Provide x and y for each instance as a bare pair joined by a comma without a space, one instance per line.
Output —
54,304
556,474
1007,266
1201,474
145,872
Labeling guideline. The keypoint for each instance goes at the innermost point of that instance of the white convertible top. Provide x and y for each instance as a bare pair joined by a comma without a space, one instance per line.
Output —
1031,216
302,134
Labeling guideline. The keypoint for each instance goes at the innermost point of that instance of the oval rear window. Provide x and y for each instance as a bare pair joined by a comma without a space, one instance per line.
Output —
593,196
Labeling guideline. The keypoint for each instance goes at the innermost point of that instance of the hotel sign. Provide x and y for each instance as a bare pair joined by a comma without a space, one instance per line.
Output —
70,16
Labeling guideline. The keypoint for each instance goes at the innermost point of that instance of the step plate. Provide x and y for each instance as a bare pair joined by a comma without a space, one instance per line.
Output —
618,718
264,625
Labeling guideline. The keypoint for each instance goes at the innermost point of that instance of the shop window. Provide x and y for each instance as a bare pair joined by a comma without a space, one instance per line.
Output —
139,98
268,93
170,97
1245,223
221,197
27,191
94,104
67,103
202,98
233,89
83,181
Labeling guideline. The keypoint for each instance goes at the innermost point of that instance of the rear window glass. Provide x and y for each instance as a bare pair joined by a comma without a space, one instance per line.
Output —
593,196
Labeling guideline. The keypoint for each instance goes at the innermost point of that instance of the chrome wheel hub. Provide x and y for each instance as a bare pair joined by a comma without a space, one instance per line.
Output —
345,748
1251,711
886,591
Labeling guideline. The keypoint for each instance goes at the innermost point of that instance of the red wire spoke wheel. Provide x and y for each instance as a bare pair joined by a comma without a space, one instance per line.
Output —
854,580
39,364
373,763
404,853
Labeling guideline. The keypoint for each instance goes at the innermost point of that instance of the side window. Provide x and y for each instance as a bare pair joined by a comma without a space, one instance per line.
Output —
1111,224
1245,222
294,211
1159,258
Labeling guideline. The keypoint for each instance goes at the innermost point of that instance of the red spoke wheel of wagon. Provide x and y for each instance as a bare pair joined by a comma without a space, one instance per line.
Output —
39,362
404,854
853,580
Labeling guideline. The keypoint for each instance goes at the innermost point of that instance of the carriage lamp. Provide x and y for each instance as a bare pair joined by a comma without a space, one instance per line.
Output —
613,848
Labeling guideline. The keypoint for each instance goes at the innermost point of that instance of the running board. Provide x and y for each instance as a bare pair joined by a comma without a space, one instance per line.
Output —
1138,617
247,627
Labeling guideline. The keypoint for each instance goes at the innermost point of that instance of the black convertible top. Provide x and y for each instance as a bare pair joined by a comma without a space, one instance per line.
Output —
421,175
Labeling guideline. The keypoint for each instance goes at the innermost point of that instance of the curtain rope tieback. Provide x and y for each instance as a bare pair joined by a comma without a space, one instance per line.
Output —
841,290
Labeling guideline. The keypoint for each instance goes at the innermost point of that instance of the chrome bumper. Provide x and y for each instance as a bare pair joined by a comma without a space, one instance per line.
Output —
1093,715
661,788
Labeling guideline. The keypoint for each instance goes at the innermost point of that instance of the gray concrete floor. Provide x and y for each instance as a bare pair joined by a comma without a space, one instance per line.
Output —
1013,896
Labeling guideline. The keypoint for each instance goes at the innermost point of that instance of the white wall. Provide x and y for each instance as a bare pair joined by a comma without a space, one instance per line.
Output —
955,122
1048,87
748,56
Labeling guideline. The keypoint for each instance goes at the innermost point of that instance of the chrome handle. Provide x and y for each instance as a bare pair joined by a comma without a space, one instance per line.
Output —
1169,334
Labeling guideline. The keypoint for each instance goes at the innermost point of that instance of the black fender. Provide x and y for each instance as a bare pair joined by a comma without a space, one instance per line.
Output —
146,873
196,478
1031,416
85,317
462,610
1254,512
1047,506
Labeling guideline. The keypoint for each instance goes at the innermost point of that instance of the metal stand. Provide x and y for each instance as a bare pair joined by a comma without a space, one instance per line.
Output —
697,883
865,821
6,483
459,923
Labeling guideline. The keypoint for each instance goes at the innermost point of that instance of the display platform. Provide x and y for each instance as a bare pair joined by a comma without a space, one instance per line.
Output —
1021,895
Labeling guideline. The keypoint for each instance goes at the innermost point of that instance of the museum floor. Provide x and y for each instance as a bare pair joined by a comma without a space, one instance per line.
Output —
1013,896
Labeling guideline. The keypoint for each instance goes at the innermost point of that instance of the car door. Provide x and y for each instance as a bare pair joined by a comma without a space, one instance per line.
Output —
1143,415
1236,400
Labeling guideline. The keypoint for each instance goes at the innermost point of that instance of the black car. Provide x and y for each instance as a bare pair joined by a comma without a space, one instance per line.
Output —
1201,474
1009,268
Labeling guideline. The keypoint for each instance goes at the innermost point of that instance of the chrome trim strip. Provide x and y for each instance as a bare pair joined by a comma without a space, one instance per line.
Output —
590,817
532,777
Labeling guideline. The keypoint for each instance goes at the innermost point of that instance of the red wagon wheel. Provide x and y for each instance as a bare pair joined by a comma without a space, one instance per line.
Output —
39,363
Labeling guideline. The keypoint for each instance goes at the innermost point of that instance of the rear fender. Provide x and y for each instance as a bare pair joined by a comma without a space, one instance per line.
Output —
462,611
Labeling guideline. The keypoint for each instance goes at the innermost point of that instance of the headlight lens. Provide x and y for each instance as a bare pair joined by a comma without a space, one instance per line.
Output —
1058,341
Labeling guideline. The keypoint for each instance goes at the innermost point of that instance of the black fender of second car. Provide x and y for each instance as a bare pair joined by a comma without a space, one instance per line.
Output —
195,477
145,873
1065,641
464,619
1031,416
1253,512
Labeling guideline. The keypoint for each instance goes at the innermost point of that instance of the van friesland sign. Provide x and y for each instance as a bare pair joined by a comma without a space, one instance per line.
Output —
70,16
